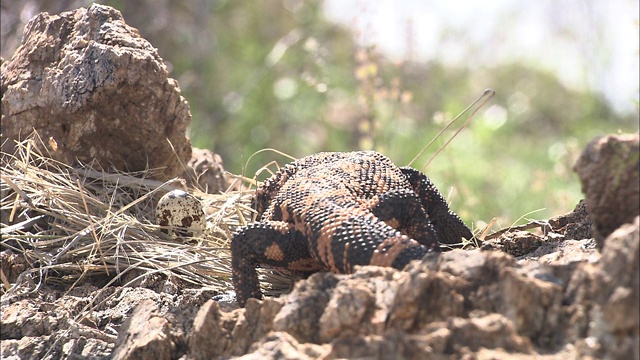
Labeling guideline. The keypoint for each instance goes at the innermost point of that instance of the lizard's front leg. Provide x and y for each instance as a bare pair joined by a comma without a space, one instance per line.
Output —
272,243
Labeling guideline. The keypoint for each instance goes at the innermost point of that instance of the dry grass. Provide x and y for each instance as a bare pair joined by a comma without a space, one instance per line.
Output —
71,224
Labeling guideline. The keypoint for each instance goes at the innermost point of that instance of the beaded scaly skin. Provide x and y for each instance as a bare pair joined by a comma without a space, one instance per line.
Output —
332,211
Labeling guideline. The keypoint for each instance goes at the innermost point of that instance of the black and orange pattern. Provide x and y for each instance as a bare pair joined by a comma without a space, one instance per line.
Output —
333,211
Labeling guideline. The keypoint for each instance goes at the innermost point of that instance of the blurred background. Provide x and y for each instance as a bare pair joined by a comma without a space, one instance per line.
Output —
340,75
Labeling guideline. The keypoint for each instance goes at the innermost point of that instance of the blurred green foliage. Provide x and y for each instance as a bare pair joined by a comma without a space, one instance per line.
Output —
277,74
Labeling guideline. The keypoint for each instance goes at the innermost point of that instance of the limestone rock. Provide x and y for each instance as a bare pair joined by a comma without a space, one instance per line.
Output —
94,90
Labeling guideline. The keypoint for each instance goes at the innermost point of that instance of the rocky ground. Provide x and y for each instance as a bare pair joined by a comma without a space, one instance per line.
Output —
552,297
569,288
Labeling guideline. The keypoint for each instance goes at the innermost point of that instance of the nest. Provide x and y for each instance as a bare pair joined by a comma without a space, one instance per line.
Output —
71,224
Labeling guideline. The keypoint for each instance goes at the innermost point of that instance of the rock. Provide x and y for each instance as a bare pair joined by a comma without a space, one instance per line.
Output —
604,298
155,331
389,346
22,319
94,90
49,323
617,313
211,335
43,329
551,236
145,335
205,172
575,225
303,308
609,171
218,333
455,304
492,331
520,243
425,296
564,299
12,266
537,320
492,282
281,345
345,312
358,306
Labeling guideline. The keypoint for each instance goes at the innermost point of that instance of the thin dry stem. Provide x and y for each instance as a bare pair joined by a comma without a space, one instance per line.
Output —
70,224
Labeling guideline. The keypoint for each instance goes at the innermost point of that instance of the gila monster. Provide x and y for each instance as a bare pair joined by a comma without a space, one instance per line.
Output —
336,210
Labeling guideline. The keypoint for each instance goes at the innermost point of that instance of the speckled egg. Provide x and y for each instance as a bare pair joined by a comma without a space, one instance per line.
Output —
182,213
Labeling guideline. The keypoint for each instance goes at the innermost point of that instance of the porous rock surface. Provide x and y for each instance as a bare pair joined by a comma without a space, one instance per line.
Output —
205,172
570,301
94,90
609,169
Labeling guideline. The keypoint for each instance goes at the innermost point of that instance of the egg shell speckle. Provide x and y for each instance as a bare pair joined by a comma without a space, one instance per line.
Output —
182,213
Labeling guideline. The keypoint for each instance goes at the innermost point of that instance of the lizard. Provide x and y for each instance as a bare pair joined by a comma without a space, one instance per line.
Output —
333,211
